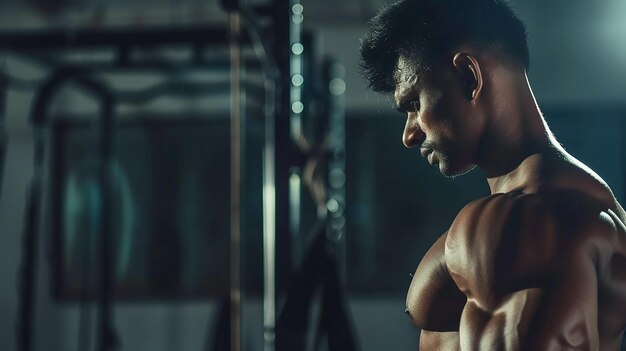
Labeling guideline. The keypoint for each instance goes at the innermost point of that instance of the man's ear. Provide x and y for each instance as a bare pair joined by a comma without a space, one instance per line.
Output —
469,69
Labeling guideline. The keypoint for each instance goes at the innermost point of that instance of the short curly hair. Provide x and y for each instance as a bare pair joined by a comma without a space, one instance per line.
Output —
425,30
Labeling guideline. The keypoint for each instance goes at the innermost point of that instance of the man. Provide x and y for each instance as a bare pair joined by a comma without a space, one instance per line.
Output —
541,263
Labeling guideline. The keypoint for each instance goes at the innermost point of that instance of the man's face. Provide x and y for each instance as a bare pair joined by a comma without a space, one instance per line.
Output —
441,120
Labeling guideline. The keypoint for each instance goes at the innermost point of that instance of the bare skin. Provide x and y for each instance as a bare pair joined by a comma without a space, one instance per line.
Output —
541,263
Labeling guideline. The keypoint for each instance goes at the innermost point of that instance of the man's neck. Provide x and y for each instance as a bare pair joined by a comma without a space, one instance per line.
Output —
526,177
516,140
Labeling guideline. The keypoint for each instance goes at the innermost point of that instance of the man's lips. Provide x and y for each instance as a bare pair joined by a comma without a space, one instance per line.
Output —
425,152
428,154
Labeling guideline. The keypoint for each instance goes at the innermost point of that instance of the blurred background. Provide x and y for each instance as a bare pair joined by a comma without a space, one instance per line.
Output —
176,176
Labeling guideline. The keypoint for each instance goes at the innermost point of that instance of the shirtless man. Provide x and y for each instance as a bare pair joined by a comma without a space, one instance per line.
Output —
541,263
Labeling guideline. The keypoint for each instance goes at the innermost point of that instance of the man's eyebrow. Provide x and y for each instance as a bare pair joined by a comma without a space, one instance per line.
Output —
404,104
400,107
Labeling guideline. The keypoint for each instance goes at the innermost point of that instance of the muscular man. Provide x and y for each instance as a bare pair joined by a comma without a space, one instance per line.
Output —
541,263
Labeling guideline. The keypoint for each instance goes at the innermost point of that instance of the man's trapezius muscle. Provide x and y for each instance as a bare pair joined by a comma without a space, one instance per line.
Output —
540,264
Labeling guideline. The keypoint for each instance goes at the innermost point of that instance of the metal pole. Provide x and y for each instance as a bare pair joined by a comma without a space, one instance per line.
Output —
269,212
107,338
28,286
235,185
269,232
3,138
28,269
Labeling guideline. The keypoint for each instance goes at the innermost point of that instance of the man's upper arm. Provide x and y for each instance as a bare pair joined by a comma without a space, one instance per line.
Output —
528,272
433,301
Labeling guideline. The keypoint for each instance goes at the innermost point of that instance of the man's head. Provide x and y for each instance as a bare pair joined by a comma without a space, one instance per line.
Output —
433,56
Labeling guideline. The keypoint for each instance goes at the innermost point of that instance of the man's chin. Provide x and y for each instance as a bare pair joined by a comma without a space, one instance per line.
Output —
452,172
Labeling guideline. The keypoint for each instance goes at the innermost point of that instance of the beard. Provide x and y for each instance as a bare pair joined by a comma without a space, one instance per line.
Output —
449,167
448,172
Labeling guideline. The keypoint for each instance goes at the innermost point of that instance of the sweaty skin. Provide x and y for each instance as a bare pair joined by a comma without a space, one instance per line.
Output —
539,268
541,263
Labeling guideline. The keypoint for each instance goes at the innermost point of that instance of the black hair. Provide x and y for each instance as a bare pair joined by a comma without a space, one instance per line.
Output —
425,30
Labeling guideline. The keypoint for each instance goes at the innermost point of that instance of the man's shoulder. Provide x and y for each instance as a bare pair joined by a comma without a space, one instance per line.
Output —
558,212
514,241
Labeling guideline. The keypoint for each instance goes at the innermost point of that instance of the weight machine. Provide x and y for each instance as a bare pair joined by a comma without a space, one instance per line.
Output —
303,118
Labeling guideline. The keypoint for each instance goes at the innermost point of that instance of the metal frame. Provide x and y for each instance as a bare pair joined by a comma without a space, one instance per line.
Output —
276,56
35,45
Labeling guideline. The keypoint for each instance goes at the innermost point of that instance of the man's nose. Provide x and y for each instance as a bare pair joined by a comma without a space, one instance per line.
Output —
413,135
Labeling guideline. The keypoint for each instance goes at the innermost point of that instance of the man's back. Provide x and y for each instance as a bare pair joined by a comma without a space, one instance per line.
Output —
540,267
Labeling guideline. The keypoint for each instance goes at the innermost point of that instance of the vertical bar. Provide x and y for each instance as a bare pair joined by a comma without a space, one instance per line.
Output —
269,228
107,338
28,285
28,269
3,137
235,184
276,169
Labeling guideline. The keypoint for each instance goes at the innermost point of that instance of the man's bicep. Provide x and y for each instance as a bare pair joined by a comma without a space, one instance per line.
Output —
433,301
